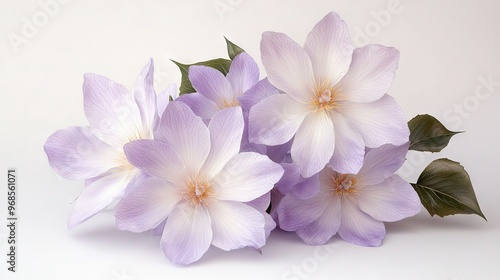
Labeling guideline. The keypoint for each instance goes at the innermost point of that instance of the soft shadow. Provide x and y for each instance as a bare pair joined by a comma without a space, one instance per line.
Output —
424,222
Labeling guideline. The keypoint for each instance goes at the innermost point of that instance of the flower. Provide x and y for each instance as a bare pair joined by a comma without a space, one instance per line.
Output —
334,102
353,205
200,185
95,153
214,91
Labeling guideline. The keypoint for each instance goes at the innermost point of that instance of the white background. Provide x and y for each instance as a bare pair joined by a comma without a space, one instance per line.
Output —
446,47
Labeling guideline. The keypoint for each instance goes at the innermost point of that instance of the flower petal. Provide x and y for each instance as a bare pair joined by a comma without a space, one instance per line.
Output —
187,234
201,106
371,73
314,143
290,178
186,133
164,98
379,122
98,195
261,204
326,226
349,147
226,129
145,97
147,206
287,65
236,225
389,201
307,187
255,94
76,153
156,158
275,119
212,84
111,111
329,47
382,162
243,73
359,228
294,213
158,230
246,177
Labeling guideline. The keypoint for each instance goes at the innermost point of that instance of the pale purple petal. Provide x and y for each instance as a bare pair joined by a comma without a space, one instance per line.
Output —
76,153
371,73
98,195
243,73
236,225
137,181
389,201
261,204
290,178
288,66
269,225
164,98
307,187
157,159
326,226
212,84
147,206
226,129
186,133
329,48
358,227
278,153
349,147
187,234
276,119
111,111
200,105
145,97
158,230
382,162
256,94
294,213
246,177
379,122
314,143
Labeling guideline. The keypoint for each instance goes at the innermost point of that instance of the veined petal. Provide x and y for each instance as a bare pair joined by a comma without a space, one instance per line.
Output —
314,143
261,203
246,177
236,225
201,106
186,133
76,153
307,187
226,129
379,122
156,158
371,73
145,97
382,162
326,226
329,48
294,213
111,111
212,84
164,98
147,206
98,195
243,73
349,147
288,66
158,230
391,200
290,178
359,228
187,234
276,119
255,94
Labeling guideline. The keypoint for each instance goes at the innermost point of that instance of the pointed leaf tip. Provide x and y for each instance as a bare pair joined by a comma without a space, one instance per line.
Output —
445,188
232,49
427,134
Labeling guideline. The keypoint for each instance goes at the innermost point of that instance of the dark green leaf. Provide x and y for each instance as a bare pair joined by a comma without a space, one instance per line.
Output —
232,49
444,188
220,64
427,134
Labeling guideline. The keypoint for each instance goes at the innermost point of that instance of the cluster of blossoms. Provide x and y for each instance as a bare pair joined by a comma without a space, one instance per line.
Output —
312,148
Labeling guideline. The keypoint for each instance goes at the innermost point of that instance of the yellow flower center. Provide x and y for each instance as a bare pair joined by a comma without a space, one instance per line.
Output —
345,185
325,98
230,103
197,191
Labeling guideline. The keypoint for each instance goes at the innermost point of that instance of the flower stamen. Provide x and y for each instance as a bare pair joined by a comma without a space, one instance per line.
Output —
197,191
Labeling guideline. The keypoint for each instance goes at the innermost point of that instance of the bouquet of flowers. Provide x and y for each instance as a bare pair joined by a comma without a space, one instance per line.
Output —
312,148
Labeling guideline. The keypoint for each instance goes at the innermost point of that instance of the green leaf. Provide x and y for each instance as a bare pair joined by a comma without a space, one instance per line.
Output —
444,188
427,134
232,49
220,64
